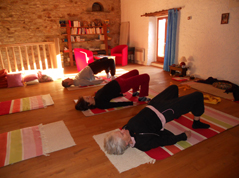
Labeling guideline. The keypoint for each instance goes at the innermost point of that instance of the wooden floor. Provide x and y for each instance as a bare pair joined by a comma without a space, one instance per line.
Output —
216,157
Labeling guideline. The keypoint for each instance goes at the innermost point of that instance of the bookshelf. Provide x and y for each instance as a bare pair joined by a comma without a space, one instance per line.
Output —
74,35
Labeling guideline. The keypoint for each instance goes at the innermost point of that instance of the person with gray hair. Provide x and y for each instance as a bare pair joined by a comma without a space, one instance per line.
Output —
146,131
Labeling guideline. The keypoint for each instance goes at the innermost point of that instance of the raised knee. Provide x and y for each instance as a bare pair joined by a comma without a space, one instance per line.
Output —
135,71
146,77
174,87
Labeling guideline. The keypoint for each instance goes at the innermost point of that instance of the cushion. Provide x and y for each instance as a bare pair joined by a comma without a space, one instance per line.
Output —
30,77
14,80
3,73
45,78
32,82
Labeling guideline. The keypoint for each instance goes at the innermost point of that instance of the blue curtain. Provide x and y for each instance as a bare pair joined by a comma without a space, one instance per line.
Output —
169,57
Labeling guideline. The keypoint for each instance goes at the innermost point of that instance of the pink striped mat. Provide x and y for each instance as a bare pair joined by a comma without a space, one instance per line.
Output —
19,145
127,97
30,142
218,121
22,104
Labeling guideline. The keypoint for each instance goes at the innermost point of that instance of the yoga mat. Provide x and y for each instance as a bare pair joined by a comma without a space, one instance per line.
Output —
218,121
25,104
30,142
127,97
72,87
207,88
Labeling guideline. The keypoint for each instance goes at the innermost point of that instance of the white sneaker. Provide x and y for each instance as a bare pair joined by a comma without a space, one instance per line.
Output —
108,75
113,77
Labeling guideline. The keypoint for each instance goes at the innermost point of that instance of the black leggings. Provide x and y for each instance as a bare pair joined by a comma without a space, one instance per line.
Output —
103,64
171,106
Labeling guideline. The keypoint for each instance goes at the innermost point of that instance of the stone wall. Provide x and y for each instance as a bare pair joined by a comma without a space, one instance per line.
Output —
24,21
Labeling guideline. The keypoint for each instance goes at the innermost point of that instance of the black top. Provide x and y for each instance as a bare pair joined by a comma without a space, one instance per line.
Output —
146,127
109,91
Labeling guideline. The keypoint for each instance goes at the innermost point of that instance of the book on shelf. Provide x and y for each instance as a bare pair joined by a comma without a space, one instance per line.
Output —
74,31
77,39
73,39
70,24
76,24
102,37
78,31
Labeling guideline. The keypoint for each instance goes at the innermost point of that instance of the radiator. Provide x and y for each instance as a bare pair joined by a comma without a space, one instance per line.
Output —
139,55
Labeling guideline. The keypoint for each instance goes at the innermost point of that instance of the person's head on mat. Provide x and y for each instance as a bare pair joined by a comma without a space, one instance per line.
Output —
85,102
67,82
117,142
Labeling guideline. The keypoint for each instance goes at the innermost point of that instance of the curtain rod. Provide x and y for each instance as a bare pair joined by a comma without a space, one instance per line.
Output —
159,13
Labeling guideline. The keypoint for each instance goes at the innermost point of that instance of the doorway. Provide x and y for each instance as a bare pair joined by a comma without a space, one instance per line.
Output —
161,38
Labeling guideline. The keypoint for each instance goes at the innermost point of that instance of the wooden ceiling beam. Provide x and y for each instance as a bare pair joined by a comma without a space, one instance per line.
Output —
159,13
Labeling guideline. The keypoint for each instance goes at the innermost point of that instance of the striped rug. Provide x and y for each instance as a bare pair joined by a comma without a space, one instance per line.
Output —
19,145
30,142
218,121
25,104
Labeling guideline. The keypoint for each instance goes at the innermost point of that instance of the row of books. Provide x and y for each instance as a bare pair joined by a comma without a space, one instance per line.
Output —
78,31
76,39
79,39
74,23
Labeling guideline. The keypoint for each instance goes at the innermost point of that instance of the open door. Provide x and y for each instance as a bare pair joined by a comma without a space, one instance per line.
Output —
161,38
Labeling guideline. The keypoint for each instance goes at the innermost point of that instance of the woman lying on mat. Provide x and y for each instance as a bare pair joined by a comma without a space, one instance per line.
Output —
86,76
116,88
146,130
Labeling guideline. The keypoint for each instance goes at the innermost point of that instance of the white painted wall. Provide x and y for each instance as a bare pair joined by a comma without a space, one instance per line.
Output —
212,48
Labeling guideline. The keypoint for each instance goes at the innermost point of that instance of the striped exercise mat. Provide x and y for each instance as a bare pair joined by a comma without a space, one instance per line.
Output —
133,157
127,97
30,142
25,104
218,121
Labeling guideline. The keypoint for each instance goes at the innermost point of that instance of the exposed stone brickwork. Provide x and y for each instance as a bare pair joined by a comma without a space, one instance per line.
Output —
24,21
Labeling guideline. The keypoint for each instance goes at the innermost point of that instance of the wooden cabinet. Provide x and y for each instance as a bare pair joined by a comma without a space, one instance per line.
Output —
75,34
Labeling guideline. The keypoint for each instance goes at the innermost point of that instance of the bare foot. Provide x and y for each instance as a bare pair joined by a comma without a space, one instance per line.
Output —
188,133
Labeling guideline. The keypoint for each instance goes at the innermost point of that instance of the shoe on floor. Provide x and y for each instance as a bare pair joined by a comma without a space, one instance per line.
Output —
144,99
200,125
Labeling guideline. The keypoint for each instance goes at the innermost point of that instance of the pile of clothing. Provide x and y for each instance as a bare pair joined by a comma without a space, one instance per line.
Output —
223,84
3,78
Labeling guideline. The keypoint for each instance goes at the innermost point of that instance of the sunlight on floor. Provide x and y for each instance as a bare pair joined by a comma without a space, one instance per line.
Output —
101,74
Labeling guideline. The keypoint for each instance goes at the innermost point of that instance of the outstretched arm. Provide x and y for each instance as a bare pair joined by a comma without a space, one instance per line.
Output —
148,141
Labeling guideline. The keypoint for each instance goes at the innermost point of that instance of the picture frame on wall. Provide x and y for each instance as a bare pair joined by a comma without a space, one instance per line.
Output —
225,18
